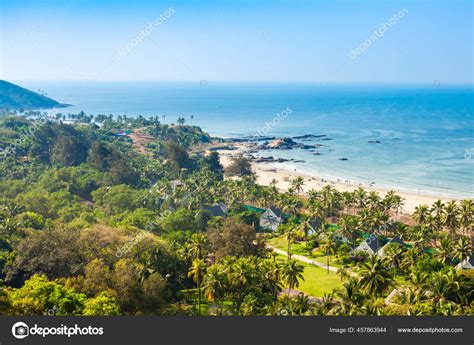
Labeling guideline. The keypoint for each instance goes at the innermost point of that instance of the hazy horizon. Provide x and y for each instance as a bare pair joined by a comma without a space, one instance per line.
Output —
241,41
269,82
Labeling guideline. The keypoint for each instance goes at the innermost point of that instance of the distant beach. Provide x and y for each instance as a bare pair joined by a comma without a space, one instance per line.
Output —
410,137
266,172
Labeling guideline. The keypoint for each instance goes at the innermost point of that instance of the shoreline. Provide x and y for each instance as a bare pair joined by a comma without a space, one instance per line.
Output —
265,172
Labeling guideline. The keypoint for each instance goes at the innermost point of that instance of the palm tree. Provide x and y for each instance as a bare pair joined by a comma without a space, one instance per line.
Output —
312,196
304,227
292,273
348,200
421,214
289,237
398,203
291,204
198,245
328,200
442,285
374,201
350,297
272,272
437,214
462,249
213,283
393,254
273,189
410,258
360,197
445,250
451,217
374,278
329,246
378,221
466,212
317,210
418,280
240,276
297,184
393,200
196,272
347,226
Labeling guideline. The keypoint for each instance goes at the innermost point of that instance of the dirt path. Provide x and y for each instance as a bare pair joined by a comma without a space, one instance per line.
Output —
308,260
140,140
304,259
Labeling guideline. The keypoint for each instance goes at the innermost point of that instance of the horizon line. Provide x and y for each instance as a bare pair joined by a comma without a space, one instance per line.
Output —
434,82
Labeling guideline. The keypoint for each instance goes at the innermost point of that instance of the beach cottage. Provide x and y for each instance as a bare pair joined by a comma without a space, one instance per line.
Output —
466,264
371,245
216,210
271,218
338,237
396,239
314,226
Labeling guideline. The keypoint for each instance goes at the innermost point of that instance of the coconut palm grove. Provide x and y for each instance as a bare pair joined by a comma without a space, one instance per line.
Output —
104,215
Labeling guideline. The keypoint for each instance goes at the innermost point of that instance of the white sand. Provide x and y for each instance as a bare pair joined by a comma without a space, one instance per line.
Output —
266,172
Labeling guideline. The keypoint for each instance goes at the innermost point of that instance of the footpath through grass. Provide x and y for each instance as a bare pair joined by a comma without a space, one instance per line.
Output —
317,281
299,248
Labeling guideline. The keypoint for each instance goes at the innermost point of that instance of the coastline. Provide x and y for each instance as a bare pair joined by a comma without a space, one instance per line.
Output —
266,172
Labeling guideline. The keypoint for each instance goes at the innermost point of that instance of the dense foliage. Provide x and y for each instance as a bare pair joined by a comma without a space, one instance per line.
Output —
107,216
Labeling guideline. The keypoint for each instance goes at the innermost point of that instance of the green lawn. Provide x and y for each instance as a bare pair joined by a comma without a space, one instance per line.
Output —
298,248
321,257
316,280
281,243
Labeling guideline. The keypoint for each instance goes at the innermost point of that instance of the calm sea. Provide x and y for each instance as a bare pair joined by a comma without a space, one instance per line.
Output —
412,137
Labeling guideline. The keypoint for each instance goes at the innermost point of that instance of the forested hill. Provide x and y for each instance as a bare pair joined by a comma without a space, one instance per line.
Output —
16,97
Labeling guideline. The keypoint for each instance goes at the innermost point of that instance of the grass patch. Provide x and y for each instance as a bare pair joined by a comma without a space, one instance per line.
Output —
281,243
299,248
317,281
320,257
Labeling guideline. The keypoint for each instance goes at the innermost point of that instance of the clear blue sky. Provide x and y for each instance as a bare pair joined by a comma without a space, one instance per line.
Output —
277,41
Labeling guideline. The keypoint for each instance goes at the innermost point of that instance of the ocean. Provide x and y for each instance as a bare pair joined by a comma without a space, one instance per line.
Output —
408,137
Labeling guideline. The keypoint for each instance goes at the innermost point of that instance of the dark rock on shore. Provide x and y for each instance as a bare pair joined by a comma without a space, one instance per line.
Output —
309,136
226,147
269,159
284,144
248,139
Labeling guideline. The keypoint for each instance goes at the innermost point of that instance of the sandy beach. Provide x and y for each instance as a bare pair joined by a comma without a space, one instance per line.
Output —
266,172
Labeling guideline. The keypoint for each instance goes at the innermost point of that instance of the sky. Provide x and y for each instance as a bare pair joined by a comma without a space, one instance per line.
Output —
329,41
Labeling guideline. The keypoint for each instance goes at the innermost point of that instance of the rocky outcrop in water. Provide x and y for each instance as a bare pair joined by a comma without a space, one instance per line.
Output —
284,144
309,136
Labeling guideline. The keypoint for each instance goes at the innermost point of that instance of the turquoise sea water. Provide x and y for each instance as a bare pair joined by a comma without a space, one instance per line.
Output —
426,133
